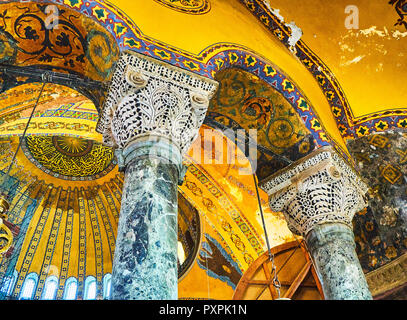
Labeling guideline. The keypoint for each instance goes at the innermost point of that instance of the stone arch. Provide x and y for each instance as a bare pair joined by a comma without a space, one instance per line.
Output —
73,50
269,81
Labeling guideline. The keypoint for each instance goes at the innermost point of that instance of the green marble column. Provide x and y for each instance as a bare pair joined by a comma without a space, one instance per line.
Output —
319,195
145,259
332,248
151,116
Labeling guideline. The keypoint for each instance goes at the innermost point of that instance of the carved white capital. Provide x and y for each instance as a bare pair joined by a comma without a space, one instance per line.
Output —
149,97
321,188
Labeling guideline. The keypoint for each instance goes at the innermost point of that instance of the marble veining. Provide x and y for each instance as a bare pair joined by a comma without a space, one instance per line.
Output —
332,247
145,261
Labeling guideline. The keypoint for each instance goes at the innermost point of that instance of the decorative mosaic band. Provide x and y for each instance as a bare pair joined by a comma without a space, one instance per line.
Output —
388,277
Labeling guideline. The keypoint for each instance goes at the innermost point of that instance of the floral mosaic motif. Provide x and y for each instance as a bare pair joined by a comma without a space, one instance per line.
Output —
401,8
69,158
187,6
244,101
381,230
72,43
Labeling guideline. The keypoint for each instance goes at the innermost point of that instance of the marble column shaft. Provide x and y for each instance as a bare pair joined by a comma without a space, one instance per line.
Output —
332,248
151,115
145,259
319,196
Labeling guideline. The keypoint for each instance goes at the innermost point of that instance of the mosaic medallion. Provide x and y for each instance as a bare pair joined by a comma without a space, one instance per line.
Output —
69,158
72,147
187,6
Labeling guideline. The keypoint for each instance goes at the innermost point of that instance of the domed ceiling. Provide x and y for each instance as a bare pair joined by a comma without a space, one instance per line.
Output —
70,228
68,157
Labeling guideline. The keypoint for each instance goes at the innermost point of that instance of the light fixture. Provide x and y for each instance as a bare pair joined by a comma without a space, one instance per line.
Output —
274,274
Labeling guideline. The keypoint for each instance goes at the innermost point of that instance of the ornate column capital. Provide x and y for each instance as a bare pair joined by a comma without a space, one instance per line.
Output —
148,97
320,188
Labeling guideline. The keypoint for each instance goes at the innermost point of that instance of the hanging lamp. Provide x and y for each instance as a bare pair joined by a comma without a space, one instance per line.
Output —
274,275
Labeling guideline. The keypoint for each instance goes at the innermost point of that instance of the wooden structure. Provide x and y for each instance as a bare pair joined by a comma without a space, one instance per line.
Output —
295,272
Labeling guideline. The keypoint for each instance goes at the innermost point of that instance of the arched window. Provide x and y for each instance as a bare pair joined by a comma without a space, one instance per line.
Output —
9,283
71,288
90,288
30,283
50,288
6,284
13,283
107,282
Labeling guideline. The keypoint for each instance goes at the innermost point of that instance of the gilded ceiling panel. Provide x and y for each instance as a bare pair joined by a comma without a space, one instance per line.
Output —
244,101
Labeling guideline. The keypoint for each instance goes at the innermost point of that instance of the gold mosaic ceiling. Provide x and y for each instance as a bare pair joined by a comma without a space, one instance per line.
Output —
75,182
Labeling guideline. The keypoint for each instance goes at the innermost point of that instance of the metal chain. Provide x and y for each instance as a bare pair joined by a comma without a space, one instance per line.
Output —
25,131
274,275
